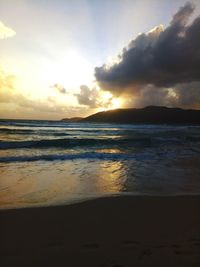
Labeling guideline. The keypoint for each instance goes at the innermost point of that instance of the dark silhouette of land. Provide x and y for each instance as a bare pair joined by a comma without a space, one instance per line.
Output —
147,115
74,119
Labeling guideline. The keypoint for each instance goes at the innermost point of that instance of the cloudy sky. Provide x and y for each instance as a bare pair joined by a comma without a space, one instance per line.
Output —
63,58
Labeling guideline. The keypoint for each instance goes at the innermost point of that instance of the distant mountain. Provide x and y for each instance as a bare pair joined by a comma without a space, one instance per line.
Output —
147,115
74,119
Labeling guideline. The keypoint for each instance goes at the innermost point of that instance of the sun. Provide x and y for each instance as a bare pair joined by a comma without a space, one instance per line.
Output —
106,96
116,103
109,101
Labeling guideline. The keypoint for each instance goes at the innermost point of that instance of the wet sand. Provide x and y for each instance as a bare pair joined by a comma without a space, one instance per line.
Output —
108,232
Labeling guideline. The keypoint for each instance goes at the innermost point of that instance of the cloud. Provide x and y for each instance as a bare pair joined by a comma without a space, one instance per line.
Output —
87,96
93,97
59,88
14,104
5,31
186,95
6,81
161,58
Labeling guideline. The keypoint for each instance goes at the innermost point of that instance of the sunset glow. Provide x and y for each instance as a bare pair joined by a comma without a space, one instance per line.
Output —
64,59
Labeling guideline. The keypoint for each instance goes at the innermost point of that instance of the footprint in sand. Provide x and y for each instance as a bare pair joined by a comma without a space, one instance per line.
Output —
91,246
184,252
195,242
55,244
130,244
145,253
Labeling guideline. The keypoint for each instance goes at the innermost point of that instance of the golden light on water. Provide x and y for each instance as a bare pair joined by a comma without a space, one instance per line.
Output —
65,182
112,178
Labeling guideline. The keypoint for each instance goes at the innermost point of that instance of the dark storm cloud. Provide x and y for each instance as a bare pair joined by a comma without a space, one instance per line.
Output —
188,94
185,95
162,58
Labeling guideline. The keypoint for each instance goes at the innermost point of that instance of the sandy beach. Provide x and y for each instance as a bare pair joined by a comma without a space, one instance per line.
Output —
110,232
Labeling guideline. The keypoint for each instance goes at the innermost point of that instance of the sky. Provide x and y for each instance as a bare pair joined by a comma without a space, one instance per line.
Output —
63,58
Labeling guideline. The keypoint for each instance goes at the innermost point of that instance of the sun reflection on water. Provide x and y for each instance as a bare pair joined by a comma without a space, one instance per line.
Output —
112,177
36,184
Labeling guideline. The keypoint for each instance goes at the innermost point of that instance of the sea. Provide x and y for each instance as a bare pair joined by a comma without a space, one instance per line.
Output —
46,163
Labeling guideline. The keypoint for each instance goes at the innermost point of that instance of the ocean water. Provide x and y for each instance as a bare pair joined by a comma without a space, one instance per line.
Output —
52,163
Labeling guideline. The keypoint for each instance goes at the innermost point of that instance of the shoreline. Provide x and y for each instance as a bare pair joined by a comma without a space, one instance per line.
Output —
111,231
97,196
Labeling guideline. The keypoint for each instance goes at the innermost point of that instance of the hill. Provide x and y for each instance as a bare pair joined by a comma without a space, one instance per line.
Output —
74,119
147,115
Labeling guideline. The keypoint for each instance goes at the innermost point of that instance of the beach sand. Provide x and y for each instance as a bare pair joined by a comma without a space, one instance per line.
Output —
108,232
